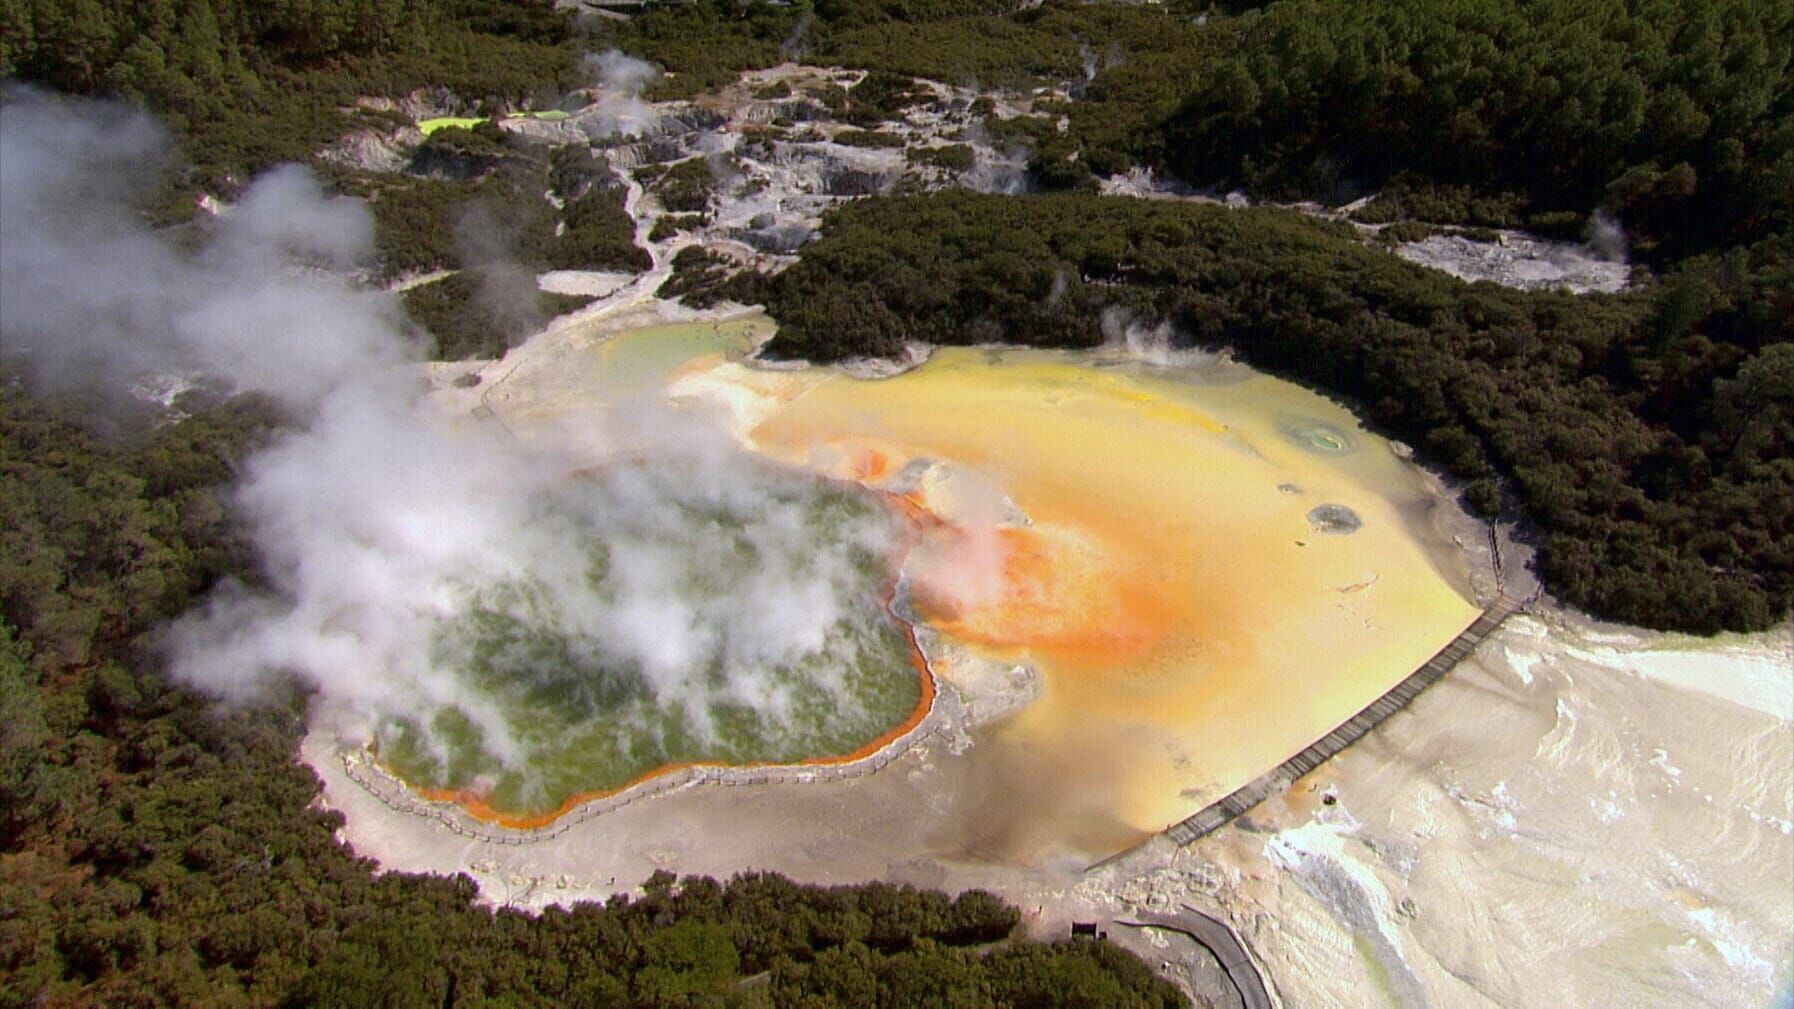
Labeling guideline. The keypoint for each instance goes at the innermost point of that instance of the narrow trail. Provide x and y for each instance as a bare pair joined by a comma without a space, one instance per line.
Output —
1215,815
1237,803
1218,938
643,288
1216,935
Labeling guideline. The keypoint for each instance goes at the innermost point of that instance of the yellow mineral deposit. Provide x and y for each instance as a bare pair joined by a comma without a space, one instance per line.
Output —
1207,576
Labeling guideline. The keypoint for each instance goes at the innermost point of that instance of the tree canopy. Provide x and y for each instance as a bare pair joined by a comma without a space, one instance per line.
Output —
1677,118
1619,421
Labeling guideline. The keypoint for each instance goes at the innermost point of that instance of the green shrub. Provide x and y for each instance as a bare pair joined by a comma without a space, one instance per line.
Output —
868,138
481,313
951,157
684,188
598,235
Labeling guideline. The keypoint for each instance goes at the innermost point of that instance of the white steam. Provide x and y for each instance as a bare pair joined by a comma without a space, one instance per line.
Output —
1004,172
382,522
88,294
618,81
961,568
486,243
1606,237
795,47
1155,345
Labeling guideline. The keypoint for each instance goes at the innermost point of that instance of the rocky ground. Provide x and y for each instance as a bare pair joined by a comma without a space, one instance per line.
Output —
747,173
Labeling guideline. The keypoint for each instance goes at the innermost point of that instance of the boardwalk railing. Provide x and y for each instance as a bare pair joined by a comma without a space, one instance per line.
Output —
1213,816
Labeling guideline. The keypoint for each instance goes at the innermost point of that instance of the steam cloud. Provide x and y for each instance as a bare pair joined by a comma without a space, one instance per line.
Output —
379,520
1155,345
796,47
619,80
1004,172
485,243
89,293
1606,237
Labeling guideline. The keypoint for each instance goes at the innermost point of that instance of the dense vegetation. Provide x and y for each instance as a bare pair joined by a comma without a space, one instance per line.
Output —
702,279
997,43
1648,435
245,84
1678,118
481,313
1143,58
158,851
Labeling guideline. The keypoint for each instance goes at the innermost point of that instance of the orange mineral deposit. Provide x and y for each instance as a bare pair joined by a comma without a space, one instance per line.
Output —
1155,553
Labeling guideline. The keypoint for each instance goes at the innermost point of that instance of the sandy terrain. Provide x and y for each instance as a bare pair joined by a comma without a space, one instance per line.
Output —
1558,822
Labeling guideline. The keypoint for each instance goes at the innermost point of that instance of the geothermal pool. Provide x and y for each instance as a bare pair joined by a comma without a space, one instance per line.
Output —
1206,568
1180,576
671,600
638,643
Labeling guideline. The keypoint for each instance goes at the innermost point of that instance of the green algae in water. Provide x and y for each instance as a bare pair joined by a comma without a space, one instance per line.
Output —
429,126
647,358
550,708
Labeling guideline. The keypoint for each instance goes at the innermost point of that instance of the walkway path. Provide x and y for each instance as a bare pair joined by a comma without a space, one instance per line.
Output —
1214,935
1218,813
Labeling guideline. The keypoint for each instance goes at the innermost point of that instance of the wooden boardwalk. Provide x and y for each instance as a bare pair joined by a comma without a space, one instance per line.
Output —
1213,816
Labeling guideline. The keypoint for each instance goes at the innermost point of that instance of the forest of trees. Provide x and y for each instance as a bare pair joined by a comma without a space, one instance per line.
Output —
1647,434
157,850
1676,118
245,83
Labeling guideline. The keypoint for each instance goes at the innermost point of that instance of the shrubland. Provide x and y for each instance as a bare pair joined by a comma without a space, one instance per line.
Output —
245,84
1678,119
481,313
